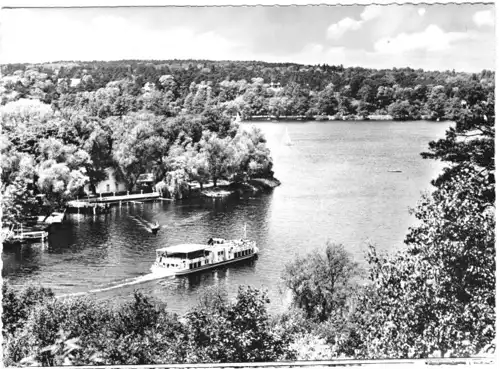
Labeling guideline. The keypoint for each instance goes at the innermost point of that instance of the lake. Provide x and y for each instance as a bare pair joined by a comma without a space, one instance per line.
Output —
336,185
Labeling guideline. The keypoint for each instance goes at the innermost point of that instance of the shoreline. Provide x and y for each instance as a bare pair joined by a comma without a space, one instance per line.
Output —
253,186
335,118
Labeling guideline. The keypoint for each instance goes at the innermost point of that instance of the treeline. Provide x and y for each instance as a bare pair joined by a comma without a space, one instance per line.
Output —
263,89
433,297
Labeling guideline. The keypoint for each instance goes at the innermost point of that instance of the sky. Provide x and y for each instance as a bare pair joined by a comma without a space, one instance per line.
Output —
431,37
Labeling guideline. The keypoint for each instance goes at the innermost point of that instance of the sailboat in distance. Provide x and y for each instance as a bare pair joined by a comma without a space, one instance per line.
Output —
238,118
286,139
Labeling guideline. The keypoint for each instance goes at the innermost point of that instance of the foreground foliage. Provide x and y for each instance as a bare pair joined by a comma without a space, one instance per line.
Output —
41,330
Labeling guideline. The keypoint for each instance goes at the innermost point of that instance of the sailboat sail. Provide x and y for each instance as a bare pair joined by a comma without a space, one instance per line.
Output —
238,118
287,140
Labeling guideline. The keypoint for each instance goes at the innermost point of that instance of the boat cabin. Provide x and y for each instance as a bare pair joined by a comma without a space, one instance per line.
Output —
185,256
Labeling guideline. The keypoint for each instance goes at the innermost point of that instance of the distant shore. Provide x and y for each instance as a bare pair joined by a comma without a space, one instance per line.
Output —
336,117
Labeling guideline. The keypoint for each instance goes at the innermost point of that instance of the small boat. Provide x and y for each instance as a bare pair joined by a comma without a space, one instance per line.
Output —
395,171
191,258
155,227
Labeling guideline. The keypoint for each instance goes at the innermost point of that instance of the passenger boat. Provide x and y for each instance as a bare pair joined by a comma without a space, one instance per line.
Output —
191,258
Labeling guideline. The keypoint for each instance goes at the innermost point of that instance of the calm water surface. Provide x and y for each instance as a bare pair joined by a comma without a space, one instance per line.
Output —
335,186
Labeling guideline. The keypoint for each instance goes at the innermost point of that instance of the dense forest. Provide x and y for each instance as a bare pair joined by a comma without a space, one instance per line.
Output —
253,88
63,124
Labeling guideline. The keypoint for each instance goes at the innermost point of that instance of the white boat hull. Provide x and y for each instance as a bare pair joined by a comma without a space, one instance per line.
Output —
174,272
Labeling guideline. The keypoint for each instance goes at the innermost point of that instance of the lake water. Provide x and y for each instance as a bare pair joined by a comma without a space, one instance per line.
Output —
336,185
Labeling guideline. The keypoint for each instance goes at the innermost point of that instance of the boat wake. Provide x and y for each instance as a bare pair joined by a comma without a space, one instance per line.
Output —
142,222
156,274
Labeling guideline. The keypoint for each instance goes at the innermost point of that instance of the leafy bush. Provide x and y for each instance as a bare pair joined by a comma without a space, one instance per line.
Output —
17,305
236,332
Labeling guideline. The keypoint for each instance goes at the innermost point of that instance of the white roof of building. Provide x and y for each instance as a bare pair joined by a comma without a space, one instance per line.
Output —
183,248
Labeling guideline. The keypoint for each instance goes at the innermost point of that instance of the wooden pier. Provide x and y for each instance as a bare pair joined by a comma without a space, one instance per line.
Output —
119,198
31,236
101,204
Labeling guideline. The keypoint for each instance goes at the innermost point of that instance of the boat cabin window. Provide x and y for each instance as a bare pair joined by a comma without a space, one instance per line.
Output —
196,254
195,265
177,255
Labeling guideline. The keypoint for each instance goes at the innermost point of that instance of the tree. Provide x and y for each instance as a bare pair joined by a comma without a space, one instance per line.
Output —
471,142
61,170
279,105
140,143
436,103
399,110
197,165
235,332
364,109
345,108
326,102
218,153
384,96
322,283
252,156
16,305
18,196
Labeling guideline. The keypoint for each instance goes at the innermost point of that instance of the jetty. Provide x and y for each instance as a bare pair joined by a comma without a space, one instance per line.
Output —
121,198
101,204
15,236
31,236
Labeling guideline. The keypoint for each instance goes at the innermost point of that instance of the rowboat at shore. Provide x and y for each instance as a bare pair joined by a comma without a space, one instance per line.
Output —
191,258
